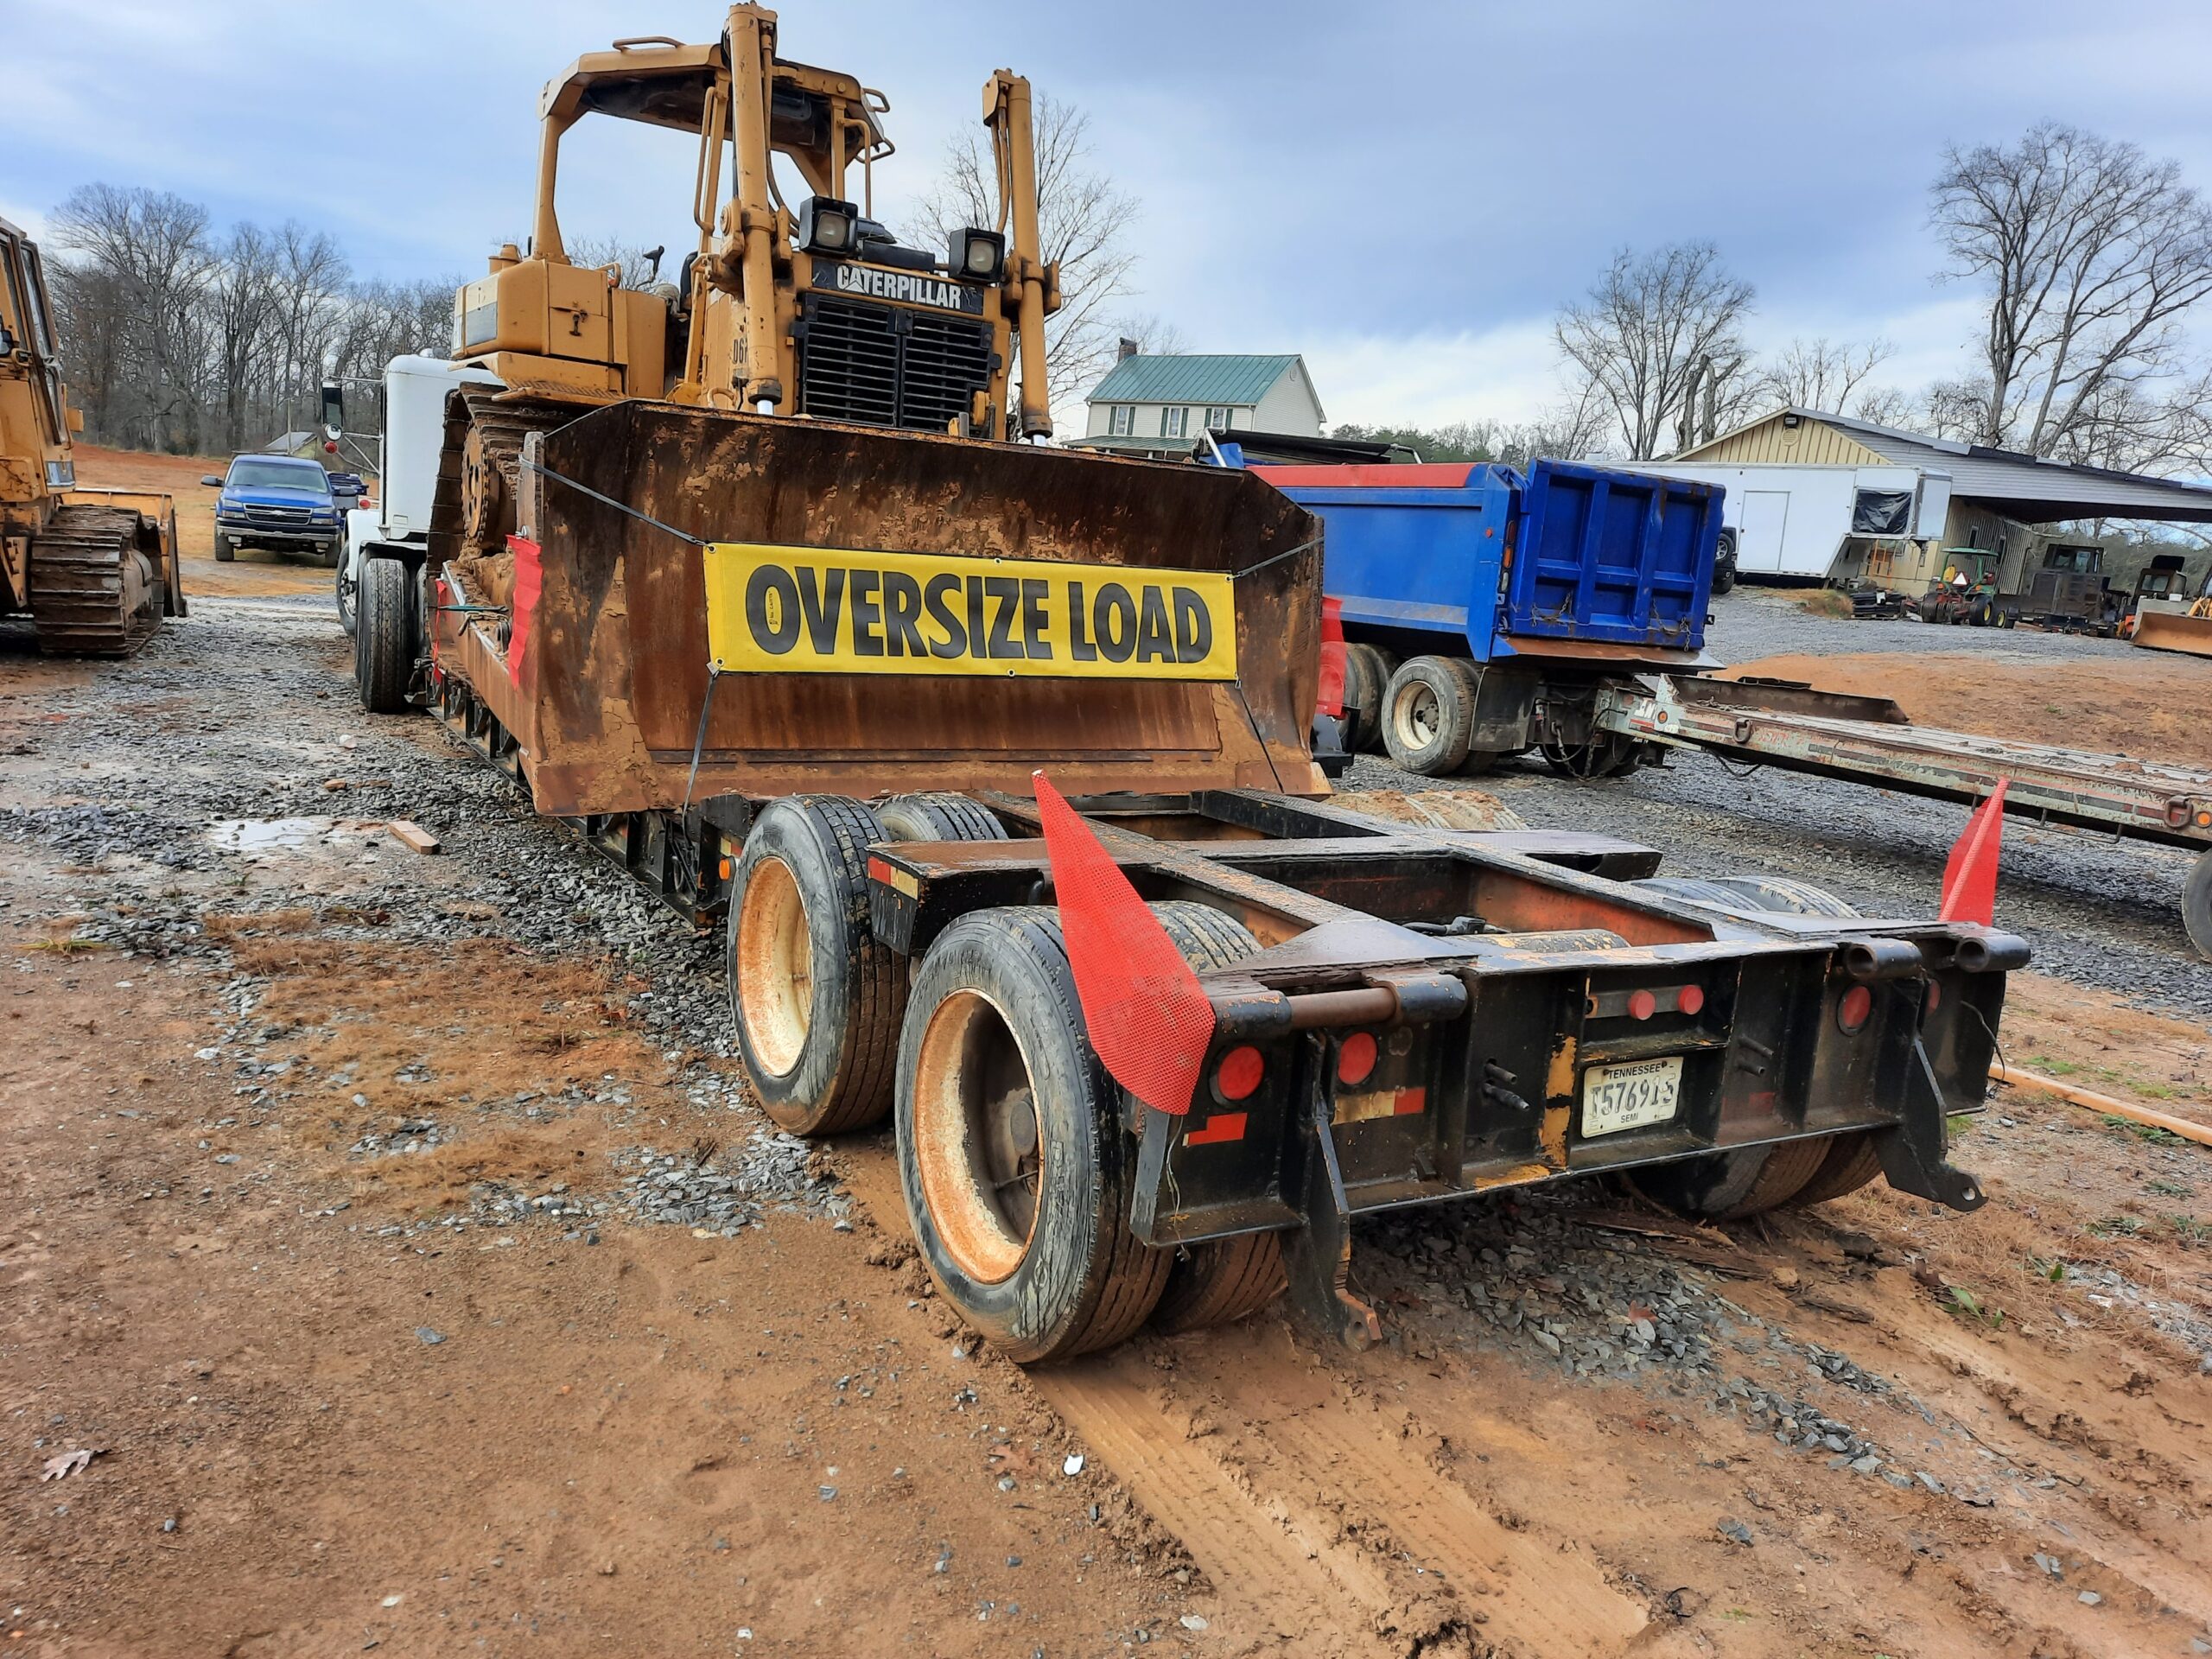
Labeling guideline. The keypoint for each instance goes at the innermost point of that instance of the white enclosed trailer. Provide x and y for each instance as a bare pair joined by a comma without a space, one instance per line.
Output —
1794,521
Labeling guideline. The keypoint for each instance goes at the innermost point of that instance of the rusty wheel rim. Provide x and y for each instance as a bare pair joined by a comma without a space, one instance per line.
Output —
1417,716
978,1138
775,967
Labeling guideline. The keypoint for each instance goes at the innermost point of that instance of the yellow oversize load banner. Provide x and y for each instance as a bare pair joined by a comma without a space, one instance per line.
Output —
810,610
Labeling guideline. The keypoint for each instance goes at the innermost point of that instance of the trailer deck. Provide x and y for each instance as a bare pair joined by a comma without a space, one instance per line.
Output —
1869,740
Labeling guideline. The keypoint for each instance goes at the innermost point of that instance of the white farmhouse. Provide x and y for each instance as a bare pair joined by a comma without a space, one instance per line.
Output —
1159,406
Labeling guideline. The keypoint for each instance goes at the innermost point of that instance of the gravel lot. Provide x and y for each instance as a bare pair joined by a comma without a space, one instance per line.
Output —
2099,911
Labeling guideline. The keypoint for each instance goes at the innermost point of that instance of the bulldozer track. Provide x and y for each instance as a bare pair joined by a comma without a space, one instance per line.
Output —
79,584
501,424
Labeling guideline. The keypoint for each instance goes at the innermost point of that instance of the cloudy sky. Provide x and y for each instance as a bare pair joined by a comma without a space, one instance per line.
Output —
1403,191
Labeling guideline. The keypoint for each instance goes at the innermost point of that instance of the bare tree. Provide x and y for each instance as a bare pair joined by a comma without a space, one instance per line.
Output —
1083,221
1817,374
2090,254
1655,341
638,264
1153,336
1888,406
148,250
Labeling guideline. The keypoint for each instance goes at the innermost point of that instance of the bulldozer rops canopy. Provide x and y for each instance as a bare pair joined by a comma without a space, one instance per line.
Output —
850,543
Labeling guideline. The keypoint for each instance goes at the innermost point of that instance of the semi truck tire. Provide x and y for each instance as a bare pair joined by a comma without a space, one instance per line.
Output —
1724,563
815,997
1428,716
937,815
1367,680
1732,1186
1015,1164
1747,895
384,635
1218,1279
343,588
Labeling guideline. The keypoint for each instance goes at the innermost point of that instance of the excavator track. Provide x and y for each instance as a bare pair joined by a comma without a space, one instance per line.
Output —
479,470
91,591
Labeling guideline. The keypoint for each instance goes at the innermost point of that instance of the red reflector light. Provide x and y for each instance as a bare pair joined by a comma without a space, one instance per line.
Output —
1356,1058
1690,998
1642,1005
1239,1073
1851,1013
1935,997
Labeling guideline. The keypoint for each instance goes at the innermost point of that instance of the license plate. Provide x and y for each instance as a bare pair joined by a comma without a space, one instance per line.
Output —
1630,1095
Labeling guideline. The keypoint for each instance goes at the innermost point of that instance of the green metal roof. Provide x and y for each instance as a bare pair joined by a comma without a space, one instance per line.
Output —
1220,380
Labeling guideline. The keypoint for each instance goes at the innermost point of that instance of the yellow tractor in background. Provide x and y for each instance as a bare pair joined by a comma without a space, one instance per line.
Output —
2165,616
95,570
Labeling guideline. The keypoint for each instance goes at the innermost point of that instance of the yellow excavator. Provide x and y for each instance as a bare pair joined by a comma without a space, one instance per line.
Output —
95,570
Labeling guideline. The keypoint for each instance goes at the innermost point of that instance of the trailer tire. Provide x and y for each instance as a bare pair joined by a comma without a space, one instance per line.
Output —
995,1025
2196,904
1428,716
1367,682
384,635
937,815
1732,1186
1851,1162
816,999
1747,895
1218,1279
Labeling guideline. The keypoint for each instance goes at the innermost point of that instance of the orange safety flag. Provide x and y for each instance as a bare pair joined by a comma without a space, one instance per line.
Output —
1970,878
530,577
1149,1020
1330,699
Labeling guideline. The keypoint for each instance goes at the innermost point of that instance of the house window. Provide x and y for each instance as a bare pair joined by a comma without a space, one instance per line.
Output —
1120,419
1218,420
1175,421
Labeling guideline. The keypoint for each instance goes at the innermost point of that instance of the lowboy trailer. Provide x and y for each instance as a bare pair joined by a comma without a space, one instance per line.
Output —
1404,1014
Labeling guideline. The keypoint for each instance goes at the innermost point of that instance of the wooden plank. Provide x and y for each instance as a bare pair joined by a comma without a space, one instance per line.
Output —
412,836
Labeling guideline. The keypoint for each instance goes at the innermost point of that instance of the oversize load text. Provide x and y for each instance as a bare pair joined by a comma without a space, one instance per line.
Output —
807,610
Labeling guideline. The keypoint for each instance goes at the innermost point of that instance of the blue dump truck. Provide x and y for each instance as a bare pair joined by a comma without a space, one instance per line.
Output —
1485,606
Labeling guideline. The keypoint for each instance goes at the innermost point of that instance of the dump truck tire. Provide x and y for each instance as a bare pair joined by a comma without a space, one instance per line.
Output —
815,998
384,635
1015,1163
1218,1279
1428,716
937,814
1732,1185
1851,1162
1367,680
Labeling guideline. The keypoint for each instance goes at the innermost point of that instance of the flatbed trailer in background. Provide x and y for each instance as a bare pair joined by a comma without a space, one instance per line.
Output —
1869,740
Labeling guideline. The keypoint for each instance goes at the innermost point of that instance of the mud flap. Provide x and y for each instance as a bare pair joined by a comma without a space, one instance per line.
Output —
1318,1256
1914,1154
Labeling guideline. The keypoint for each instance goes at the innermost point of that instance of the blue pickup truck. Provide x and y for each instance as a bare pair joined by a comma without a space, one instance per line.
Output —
1484,605
282,503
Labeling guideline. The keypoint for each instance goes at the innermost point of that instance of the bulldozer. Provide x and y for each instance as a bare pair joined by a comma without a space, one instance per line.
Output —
95,570
806,381
2166,616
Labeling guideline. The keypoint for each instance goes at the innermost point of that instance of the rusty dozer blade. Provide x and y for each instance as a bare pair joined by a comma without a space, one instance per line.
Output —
2174,631
605,702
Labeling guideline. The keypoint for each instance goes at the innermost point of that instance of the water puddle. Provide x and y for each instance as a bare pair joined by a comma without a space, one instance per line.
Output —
286,835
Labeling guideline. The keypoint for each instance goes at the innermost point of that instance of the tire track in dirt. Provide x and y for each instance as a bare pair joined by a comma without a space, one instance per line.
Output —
1318,1518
